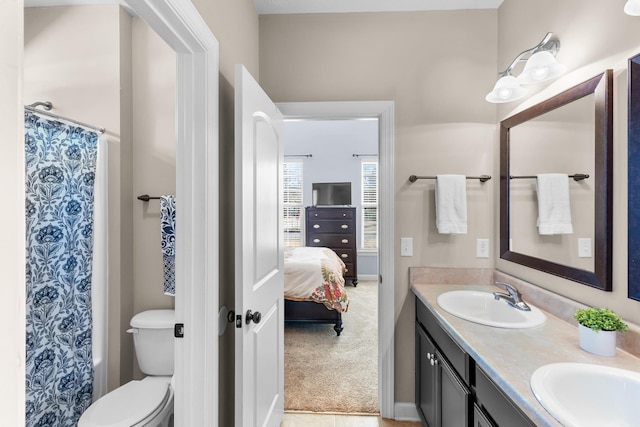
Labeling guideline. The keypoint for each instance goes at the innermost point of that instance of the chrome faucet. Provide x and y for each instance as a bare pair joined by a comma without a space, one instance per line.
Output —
513,297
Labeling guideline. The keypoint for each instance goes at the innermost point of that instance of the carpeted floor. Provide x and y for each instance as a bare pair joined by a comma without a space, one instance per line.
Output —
331,374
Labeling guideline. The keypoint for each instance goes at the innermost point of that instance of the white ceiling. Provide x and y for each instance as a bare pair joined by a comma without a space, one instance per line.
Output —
265,7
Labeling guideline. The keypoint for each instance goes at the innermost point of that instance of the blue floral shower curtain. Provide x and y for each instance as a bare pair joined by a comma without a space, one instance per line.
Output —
60,171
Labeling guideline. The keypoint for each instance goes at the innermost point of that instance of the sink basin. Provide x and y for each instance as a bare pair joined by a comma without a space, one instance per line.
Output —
483,308
586,395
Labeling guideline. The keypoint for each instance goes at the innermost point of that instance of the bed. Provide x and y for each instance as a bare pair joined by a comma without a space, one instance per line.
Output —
314,286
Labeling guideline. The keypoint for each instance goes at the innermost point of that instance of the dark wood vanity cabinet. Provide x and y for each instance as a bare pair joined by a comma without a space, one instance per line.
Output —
451,390
334,228
443,397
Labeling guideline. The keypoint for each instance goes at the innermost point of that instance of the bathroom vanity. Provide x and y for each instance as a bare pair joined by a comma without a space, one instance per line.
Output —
469,374
451,390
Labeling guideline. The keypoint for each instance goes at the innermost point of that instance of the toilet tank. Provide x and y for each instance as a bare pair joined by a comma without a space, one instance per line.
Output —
154,341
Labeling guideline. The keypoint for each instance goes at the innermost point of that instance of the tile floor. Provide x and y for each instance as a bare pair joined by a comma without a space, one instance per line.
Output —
292,419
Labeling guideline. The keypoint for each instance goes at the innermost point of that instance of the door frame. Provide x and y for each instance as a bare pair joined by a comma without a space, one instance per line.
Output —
384,112
182,27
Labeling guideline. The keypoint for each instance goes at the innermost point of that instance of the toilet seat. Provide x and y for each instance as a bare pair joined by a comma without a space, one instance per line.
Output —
132,404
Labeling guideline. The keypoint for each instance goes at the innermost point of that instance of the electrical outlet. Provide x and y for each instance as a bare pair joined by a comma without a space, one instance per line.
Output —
406,246
482,248
584,247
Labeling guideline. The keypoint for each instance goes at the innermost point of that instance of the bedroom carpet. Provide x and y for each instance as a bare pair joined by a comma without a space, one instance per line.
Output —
335,374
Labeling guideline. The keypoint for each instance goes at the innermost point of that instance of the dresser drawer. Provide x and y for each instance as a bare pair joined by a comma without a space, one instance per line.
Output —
330,213
346,255
330,226
331,240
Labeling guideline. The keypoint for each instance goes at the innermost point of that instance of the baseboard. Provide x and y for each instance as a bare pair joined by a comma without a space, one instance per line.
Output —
367,277
406,412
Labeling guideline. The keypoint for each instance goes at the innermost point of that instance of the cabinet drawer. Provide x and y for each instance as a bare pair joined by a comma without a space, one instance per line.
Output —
330,213
346,255
498,405
331,240
348,269
330,226
458,358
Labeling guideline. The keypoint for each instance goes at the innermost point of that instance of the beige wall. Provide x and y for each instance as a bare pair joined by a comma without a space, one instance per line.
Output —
12,279
595,36
435,66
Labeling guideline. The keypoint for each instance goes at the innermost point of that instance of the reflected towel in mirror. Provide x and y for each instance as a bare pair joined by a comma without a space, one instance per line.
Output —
554,206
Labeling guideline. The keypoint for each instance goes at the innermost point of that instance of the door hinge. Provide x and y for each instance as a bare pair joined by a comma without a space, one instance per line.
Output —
178,330
238,321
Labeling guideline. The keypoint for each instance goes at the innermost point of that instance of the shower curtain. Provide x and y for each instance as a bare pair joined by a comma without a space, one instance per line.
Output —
60,165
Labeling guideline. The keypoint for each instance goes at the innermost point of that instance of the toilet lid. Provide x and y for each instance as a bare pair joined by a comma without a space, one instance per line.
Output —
127,405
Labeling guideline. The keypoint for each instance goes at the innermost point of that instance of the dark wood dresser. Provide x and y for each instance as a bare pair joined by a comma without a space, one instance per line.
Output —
334,228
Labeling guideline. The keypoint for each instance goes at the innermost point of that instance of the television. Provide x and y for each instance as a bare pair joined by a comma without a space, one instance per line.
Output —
331,193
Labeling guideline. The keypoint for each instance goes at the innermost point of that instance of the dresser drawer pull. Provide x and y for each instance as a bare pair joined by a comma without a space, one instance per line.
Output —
345,240
346,270
316,240
316,226
344,214
344,226
344,256
315,214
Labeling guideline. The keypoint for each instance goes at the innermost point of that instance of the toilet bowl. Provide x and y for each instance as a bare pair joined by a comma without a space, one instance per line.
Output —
147,402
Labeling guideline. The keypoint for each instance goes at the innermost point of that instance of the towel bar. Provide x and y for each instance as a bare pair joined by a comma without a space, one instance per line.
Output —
482,178
576,177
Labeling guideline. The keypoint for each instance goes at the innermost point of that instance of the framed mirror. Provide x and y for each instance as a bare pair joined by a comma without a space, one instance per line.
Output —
570,133
633,210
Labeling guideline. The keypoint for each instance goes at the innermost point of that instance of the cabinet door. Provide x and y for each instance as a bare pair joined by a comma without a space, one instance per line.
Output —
480,419
427,389
455,397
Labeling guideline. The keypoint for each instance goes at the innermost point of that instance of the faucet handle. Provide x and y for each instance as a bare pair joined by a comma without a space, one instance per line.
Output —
510,288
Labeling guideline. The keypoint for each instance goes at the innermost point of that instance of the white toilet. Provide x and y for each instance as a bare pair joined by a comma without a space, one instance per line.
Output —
147,402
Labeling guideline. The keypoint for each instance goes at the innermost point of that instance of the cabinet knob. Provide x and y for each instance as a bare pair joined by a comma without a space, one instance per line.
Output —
345,240
316,240
315,214
344,214
316,226
344,226
344,255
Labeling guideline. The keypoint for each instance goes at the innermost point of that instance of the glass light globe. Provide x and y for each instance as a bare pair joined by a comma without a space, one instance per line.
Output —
632,7
506,89
540,67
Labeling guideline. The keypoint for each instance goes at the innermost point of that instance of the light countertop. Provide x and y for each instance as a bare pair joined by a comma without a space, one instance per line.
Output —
510,356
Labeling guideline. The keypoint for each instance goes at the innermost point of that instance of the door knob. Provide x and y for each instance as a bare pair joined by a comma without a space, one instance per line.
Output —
256,317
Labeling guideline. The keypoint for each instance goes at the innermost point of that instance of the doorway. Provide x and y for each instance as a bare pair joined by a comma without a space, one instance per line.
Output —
384,112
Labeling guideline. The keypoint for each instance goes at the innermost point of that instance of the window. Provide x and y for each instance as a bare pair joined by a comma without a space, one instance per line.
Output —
369,209
292,202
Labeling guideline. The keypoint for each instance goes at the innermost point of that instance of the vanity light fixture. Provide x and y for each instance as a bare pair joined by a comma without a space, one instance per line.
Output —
541,65
632,7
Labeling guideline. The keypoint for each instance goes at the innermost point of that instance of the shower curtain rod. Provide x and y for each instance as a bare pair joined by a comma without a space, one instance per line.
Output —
48,105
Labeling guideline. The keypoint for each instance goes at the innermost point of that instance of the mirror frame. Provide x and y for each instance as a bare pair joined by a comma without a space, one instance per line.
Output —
602,87
633,195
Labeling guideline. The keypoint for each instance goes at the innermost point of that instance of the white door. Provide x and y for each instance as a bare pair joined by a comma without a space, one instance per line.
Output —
259,259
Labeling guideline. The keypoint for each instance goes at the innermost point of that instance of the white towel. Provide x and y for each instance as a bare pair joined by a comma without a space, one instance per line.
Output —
451,204
554,207
168,243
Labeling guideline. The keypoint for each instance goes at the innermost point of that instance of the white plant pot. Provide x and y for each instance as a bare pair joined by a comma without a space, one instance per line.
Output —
602,343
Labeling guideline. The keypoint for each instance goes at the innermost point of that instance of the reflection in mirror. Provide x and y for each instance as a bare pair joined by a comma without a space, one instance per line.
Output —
634,178
561,135
560,141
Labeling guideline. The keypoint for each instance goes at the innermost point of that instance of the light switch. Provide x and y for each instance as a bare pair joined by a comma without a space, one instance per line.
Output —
482,248
584,247
406,246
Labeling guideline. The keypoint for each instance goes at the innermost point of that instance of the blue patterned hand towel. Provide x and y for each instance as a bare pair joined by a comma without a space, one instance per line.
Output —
168,242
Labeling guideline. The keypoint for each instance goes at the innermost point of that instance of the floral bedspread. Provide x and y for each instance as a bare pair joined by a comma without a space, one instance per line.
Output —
315,274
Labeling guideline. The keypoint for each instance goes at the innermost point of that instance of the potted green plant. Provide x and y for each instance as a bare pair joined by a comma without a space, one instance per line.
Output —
597,330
